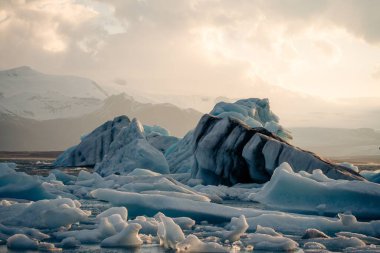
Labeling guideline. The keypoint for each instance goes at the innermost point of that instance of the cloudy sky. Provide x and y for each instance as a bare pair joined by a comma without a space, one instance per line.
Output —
328,49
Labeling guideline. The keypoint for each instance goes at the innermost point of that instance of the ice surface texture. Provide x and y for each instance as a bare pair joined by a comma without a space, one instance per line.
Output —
227,151
119,146
93,146
254,112
20,185
315,193
131,150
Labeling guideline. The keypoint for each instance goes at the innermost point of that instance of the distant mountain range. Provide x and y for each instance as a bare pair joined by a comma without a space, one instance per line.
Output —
19,133
50,112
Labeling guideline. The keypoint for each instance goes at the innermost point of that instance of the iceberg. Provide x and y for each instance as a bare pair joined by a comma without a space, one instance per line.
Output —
131,150
226,151
315,193
252,112
94,145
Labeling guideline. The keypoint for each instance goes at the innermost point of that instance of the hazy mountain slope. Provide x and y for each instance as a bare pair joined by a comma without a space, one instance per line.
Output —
17,133
30,94
294,109
178,121
337,141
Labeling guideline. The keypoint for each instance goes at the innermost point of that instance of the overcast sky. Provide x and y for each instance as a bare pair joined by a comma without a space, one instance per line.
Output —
329,49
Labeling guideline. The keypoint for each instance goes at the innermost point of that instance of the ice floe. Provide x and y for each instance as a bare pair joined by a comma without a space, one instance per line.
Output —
315,193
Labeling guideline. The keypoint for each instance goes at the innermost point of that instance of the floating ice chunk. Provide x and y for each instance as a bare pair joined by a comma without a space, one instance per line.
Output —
45,246
314,246
350,166
43,214
298,224
339,243
144,204
88,179
367,239
122,211
149,226
370,175
20,185
195,197
314,233
117,222
193,244
184,222
238,227
220,192
105,229
69,243
267,231
169,232
130,150
65,178
128,237
7,168
269,242
31,232
292,191
316,175
21,242
5,202
366,249
138,172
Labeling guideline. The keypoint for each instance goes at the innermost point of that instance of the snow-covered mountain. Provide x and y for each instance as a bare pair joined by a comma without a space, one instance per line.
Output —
28,93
